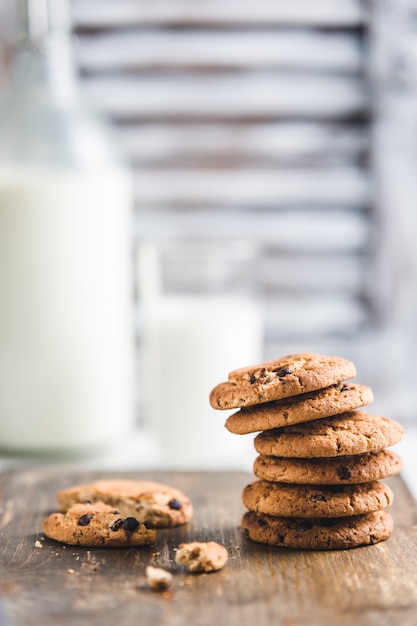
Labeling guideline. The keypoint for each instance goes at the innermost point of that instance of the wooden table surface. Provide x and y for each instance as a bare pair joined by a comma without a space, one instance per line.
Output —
57,585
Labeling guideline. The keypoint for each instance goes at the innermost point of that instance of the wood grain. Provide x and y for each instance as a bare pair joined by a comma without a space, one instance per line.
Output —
376,585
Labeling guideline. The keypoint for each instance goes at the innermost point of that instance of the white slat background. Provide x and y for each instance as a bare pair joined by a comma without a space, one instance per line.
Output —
291,123
241,120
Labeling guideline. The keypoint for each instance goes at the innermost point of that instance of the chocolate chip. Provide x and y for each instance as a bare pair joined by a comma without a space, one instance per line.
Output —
261,522
283,372
174,504
373,539
87,502
344,388
303,525
118,524
84,520
130,523
318,497
261,378
344,472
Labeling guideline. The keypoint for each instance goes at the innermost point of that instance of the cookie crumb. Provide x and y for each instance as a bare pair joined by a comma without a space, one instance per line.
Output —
89,567
38,544
158,579
202,556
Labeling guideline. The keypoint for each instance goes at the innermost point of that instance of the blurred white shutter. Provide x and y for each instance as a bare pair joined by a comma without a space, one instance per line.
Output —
247,119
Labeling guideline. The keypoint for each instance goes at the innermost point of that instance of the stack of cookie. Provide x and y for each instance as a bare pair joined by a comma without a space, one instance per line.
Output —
321,459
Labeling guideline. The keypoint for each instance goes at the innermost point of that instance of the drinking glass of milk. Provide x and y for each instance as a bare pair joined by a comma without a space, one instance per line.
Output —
66,329
200,320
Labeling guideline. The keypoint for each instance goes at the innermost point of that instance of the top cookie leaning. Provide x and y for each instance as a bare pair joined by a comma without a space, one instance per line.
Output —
273,380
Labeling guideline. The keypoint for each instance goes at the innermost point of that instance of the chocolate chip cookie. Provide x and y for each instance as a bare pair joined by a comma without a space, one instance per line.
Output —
354,432
344,470
286,500
97,525
333,400
153,503
318,534
289,376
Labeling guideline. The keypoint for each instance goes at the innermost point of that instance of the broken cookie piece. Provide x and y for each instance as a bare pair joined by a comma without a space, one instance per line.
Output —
158,579
201,556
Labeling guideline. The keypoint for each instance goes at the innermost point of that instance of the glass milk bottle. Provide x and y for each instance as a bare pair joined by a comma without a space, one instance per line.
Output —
200,320
66,334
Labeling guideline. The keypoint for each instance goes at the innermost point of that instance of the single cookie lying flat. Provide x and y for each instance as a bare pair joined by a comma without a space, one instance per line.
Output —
285,500
159,505
354,432
289,376
201,556
314,534
332,400
96,525
361,468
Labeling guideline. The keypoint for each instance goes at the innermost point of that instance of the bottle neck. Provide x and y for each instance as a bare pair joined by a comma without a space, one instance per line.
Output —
43,119
46,30
40,18
60,70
